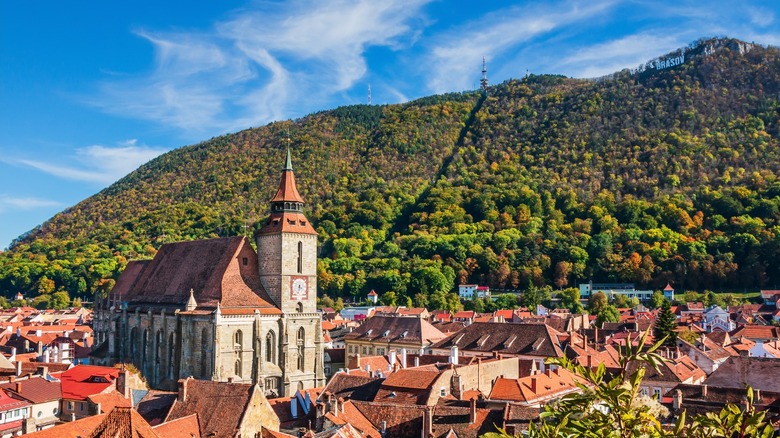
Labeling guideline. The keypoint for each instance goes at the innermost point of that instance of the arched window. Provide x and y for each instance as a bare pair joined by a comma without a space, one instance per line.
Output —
171,355
301,340
300,257
238,339
300,307
238,367
205,355
133,343
158,354
270,347
144,351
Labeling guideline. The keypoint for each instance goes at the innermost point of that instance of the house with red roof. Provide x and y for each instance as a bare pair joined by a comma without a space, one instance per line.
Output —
43,395
13,414
535,390
79,384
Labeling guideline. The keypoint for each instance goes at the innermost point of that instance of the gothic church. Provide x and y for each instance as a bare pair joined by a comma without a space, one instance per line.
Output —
216,309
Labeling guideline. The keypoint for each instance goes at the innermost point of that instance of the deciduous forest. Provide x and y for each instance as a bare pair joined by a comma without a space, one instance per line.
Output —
648,176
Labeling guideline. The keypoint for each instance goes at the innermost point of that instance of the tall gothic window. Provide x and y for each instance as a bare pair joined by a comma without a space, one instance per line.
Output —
270,347
205,354
134,344
238,340
300,257
144,352
171,355
238,367
301,338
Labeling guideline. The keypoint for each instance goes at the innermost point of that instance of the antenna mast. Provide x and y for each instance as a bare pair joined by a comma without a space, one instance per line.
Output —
484,81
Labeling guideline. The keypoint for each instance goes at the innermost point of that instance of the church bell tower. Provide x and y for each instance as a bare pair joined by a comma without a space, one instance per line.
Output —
287,250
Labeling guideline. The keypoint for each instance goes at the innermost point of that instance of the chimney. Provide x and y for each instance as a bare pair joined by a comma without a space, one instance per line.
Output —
18,387
121,383
391,360
472,411
677,399
183,389
18,367
454,355
590,361
533,384
585,342
417,361
28,425
427,429
403,357
704,390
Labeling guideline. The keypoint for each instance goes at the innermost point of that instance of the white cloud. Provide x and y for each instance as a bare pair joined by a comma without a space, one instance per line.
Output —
97,163
457,54
16,203
261,64
612,56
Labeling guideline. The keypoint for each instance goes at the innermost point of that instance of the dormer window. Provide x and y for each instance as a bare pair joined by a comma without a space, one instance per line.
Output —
245,261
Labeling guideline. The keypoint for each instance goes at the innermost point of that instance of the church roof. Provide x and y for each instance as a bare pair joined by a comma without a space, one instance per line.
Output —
222,270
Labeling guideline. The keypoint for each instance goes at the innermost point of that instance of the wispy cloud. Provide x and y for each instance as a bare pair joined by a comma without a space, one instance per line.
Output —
97,163
630,51
457,53
8,202
260,63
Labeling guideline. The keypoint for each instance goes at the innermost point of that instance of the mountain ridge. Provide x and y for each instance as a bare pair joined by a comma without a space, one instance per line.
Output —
511,188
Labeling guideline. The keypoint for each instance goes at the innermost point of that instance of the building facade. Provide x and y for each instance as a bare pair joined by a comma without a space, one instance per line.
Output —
217,310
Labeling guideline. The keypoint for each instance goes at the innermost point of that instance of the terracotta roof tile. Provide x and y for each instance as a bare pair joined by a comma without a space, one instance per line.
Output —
81,381
536,387
214,269
74,429
506,338
35,390
184,427
396,329
219,405
123,422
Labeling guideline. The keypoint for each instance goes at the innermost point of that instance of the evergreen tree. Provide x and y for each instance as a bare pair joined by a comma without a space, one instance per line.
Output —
665,324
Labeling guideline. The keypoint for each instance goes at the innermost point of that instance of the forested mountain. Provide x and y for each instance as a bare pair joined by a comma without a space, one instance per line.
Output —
647,176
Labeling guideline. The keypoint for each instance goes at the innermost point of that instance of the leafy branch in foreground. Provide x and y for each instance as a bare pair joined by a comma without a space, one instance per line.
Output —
615,407
607,407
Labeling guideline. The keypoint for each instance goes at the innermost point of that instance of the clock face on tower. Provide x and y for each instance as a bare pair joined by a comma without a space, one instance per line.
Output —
299,288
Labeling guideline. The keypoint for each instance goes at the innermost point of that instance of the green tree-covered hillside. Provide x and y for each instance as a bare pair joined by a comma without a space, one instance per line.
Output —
648,176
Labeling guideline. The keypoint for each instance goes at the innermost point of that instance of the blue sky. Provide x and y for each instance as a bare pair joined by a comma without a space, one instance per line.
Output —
92,89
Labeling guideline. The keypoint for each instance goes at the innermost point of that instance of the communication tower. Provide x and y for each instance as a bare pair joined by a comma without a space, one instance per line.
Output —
484,81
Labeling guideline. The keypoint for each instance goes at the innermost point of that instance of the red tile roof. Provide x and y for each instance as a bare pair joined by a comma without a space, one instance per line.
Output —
81,381
75,429
184,427
220,406
123,422
35,390
537,387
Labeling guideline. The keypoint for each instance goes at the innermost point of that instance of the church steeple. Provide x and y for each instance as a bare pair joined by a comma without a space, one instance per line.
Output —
287,197
287,204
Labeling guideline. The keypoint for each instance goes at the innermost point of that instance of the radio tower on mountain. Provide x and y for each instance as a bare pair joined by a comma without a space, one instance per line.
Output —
484,81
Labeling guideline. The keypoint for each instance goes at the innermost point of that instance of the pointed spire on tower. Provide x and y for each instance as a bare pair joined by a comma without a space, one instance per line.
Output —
288,164
191,303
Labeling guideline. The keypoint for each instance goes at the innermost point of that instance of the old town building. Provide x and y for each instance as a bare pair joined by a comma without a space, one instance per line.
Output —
217,310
